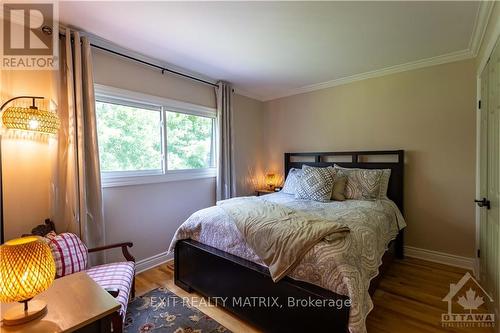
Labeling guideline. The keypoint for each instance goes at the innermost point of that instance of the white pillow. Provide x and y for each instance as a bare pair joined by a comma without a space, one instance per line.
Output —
292,180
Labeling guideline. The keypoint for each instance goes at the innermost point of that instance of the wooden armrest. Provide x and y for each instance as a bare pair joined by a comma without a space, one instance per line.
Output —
124,247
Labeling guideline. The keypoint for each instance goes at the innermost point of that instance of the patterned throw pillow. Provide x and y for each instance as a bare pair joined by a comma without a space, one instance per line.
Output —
290,186
69,252
365,183
315,184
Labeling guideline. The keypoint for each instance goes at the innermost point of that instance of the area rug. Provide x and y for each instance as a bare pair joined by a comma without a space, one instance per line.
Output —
161,311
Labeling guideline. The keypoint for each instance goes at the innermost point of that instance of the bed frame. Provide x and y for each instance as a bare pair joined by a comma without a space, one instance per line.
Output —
222,276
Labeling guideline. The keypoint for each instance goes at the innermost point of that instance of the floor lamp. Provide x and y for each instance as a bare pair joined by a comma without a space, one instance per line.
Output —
30,119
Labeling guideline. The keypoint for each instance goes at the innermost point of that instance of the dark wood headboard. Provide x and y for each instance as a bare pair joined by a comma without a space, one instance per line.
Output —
386,159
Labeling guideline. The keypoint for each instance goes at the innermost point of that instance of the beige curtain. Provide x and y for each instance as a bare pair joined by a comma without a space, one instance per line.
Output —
77,177
226,183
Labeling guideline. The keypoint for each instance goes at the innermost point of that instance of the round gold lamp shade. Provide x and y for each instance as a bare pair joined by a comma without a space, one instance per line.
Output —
29,118
27,268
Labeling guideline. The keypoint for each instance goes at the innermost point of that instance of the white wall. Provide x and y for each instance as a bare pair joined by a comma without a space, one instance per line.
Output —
150,214
249,144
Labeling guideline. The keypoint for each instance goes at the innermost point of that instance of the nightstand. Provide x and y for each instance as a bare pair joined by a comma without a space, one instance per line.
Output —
264,191
75,303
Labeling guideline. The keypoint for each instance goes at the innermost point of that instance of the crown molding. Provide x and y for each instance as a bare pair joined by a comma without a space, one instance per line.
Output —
488,46
248,94
442,59
480,24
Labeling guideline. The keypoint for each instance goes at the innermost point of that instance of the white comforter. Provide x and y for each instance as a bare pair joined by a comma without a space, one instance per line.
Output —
345,266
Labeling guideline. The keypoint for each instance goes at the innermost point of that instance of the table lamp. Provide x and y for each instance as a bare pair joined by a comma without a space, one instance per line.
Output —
270,178
27,268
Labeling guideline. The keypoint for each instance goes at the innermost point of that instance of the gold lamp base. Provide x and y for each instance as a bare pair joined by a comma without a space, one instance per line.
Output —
17,315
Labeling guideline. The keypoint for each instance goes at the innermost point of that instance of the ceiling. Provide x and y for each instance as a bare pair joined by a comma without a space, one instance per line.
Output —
273,49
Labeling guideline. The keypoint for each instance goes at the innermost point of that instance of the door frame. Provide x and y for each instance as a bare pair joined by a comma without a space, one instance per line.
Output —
482,64
478,177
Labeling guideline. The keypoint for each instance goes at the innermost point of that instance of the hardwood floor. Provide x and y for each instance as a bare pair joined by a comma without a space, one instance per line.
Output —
408,298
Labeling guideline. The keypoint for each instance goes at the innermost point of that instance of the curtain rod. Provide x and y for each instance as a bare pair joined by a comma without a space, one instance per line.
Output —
163,69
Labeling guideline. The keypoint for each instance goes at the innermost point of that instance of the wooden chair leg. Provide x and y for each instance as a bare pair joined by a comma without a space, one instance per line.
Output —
117,322
132,292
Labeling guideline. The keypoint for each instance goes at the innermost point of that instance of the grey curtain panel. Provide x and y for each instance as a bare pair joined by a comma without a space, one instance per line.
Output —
226,183
77,175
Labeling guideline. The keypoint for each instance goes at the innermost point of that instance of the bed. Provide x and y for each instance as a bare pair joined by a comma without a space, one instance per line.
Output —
211,259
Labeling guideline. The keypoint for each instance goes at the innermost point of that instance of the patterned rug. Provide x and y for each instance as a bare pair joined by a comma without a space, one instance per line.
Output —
162,311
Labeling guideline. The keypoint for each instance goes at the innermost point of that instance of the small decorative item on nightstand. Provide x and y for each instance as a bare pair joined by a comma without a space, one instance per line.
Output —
270,181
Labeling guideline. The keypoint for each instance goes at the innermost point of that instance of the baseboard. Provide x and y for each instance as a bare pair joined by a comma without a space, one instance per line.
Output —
156,260
441,257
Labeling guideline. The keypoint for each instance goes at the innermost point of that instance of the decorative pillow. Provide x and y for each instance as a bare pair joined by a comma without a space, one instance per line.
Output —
339,184
365,183
48,237
69,252
315,184
51,235
290,186
384,182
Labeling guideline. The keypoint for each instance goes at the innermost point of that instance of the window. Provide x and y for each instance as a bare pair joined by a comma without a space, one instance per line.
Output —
147,139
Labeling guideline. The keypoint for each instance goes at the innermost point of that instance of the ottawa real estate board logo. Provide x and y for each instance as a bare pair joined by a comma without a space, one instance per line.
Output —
29,33
468,305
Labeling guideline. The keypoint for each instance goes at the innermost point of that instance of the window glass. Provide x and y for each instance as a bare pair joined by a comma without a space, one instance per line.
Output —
189,141
130,138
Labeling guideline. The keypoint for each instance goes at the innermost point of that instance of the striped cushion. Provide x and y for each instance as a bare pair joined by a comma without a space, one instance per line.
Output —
70,254
116,275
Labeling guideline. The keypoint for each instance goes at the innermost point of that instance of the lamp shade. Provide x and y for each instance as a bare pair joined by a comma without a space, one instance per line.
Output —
27,268
270,178
31,119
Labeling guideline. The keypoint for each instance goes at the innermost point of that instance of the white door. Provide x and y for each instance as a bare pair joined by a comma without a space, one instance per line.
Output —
489,201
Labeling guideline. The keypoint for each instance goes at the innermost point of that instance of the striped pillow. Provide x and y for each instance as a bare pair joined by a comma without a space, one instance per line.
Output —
69,252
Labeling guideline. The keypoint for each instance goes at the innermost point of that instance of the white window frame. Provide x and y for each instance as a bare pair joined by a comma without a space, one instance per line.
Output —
135,99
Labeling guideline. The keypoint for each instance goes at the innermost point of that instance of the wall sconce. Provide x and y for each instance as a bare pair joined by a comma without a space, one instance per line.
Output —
30,119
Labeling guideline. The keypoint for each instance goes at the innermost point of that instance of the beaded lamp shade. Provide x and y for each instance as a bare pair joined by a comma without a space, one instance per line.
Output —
26,269
31,119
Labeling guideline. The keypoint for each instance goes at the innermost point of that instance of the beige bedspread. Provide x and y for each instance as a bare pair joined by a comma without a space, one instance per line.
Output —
279,235
344,266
